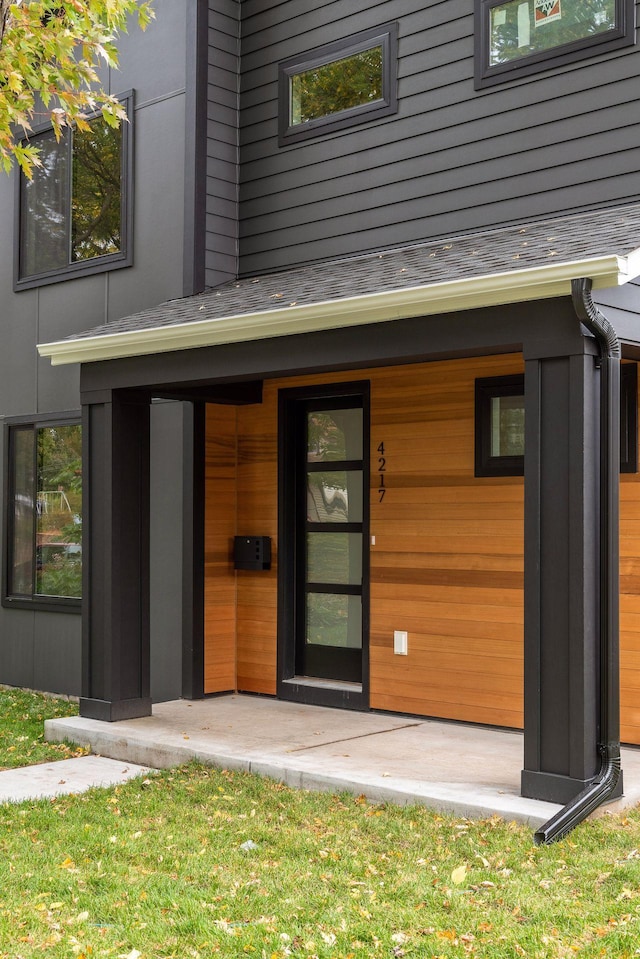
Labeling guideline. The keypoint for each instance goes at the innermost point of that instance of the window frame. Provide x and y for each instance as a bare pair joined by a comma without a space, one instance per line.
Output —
97,264
486,75
37,601
629,418
385,36
488,387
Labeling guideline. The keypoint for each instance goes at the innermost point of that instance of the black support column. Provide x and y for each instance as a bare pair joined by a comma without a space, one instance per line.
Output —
116,542
562,400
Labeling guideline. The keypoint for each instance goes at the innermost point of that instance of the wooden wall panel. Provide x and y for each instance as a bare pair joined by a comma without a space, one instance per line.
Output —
447,564
447,561
630,607
220,525
258,516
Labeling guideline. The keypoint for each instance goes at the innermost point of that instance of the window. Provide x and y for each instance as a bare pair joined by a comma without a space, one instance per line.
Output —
44,526
74,215
338,85
517,37
629,418
500,426
499,441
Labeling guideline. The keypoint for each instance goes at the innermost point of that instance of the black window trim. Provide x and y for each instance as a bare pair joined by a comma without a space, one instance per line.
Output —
485,75
488,387
629,418
385,36
59,604
100,264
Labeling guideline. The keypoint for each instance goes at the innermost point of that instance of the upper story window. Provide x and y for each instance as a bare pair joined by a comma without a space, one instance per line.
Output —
74,215
338,85
518,37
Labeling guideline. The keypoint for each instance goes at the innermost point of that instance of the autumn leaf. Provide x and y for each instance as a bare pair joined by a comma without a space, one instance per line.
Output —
459,874
55,58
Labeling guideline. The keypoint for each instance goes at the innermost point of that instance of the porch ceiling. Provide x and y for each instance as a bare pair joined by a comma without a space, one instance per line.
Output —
509,265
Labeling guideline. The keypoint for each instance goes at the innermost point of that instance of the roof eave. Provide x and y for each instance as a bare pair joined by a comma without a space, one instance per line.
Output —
496,289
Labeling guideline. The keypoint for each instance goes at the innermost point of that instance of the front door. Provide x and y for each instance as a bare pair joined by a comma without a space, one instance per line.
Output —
327,539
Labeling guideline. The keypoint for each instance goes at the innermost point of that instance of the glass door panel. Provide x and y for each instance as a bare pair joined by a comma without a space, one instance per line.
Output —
330,536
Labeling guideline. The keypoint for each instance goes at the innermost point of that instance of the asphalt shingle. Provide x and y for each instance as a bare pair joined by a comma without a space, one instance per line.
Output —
562,239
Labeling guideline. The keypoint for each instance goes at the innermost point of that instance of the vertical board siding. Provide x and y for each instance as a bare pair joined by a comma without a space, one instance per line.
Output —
220,525
452,159
448,557
630,607
222,142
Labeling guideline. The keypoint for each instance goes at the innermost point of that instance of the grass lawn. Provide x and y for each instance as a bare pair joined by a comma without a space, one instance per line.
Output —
22,717
198,862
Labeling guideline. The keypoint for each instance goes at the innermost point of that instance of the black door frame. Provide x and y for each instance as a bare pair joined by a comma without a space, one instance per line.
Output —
320,692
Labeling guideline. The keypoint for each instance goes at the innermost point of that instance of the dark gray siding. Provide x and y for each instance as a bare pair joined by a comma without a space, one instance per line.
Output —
165,550
451,160
41,649
222,141
621,306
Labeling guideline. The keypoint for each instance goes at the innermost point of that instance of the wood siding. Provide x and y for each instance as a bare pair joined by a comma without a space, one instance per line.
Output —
630,607
220,526
222,142
447,564
452,159
448,554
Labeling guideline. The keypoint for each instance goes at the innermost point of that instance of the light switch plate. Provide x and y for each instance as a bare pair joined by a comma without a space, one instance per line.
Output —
400,642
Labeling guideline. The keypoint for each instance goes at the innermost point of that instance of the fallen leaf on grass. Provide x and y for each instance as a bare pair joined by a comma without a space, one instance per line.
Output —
459,874
399,937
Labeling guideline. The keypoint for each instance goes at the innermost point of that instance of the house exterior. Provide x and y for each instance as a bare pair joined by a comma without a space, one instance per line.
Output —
338,372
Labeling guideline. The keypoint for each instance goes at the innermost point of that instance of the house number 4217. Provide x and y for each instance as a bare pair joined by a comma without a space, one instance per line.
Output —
382,468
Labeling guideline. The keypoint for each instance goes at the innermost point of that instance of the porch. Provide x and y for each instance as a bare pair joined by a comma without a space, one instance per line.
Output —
471,771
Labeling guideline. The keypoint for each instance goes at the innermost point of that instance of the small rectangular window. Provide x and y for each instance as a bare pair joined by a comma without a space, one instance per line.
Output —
44,515
74,213
516,37
499,422
338,85
629,418
500,426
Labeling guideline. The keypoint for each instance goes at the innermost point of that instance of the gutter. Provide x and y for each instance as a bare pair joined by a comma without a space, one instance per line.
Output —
494,289
604,783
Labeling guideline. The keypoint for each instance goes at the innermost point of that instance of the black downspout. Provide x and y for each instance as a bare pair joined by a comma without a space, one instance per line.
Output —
606,779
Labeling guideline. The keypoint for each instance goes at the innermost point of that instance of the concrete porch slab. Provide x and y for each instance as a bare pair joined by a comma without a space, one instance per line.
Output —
465,770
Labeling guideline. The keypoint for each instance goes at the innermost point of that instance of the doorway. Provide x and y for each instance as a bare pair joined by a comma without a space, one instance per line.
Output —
324,522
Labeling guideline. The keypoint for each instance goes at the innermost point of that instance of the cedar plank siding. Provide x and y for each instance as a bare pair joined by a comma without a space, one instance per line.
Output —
447,564
220,525
221,253
630,607
452,159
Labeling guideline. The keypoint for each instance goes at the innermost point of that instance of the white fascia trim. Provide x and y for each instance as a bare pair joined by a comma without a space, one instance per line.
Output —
495,289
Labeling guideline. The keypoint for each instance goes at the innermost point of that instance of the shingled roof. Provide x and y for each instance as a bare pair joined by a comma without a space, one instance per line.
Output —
524,261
